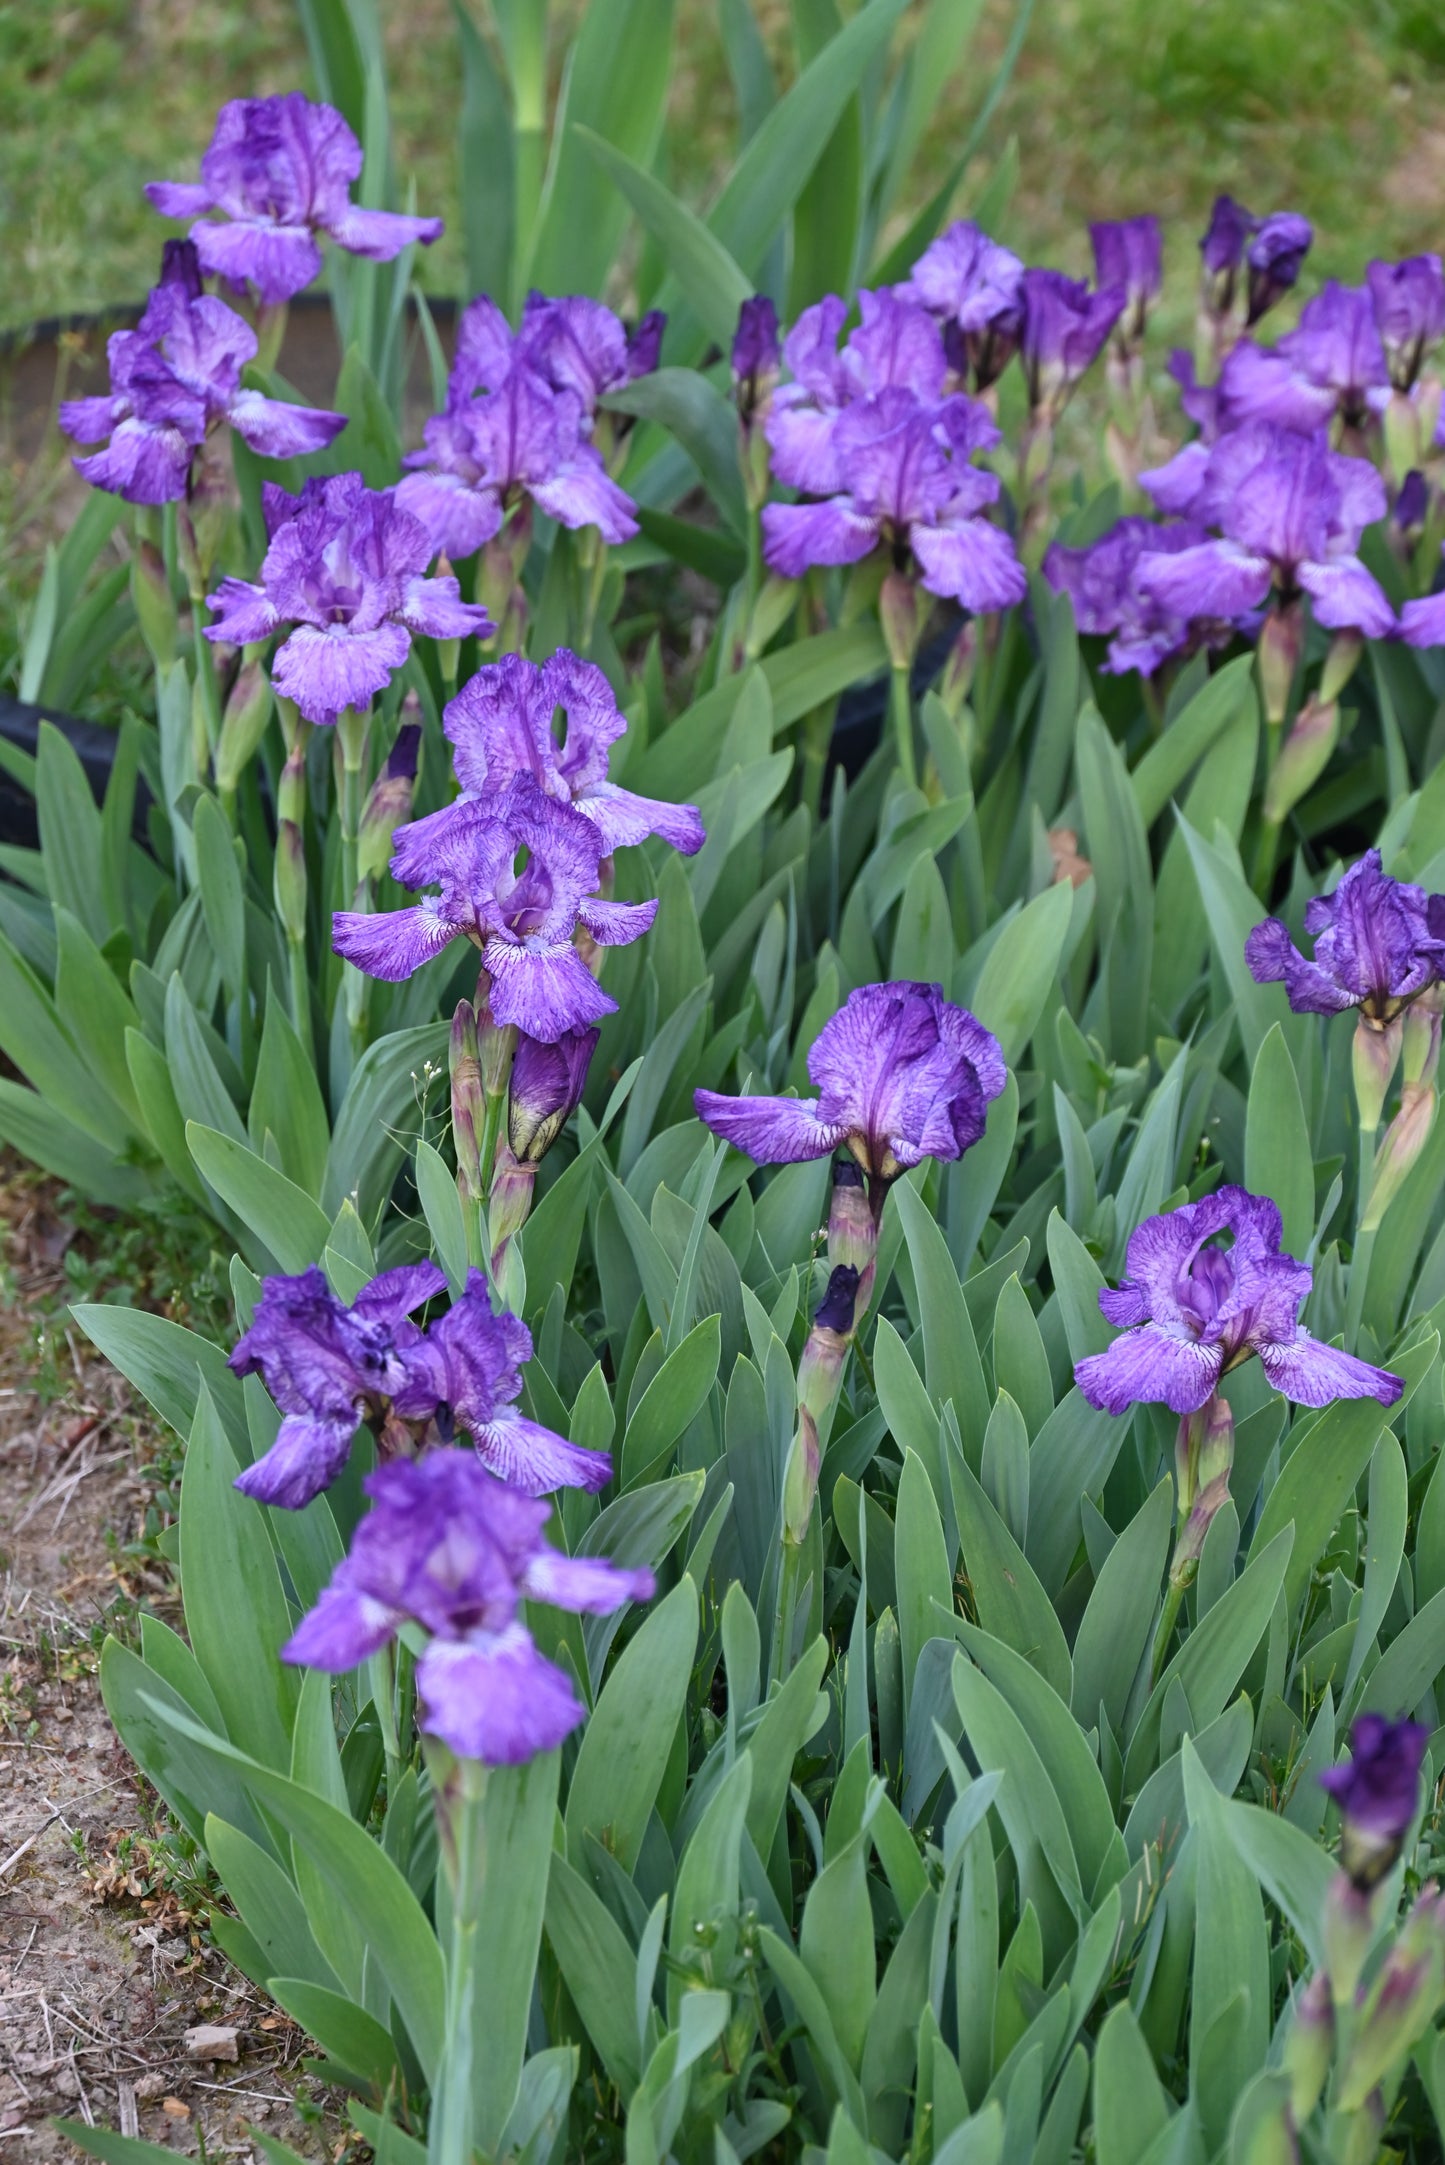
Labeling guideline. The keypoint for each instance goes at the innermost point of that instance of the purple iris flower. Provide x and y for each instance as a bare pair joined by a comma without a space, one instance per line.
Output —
1222,247
896,347
1129,252
1193,1309
902,1075
346,567
466,1373
516,426
1333,362
1064,330
450,1547
1378,1793
1275,253
173,379
280,170
328,1367
1102,582
523,921
1409,301
911,487
1422,623
974,288
1374,948
1291,513
545,1090
580,347
503,723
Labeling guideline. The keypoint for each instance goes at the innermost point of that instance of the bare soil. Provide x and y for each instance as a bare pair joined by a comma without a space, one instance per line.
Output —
105,1957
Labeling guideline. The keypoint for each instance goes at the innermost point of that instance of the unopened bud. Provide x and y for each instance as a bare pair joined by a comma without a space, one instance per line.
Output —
508,1203
291,792
153,603
1403,441
1398,1154
468,1103
852,1222
1401,2005
800,1482
289,879
1347,1932
901,618
243,724
1376,1051
1303,757
956,682
1421,1037
1345,649
1281,642
1204,1458
388,804
1309,2046
546,1087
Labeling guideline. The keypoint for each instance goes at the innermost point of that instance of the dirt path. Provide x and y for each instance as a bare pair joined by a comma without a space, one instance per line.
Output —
105,1962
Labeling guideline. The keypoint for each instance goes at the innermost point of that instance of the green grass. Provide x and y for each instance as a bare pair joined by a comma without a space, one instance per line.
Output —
1328,105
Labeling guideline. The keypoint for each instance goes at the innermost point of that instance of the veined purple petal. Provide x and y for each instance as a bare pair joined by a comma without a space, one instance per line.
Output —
460,516
971,562
397,1292
624,819
803,443
1346,597
435,607
391,944
278,261
307,1456
380,235
535,1460
280,431
582,493
1216,578
1311,1373
1149,1366
144,464
545,991
772,1131
245,614
1273,959
588,1585
797,536
1175,486
89,420
493,1697
327,671
616,924
178,198
341,1631
1422,623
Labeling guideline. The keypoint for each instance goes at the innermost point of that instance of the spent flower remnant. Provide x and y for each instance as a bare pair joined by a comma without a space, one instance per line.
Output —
173,381
1378,1792
280,171
517,425
448,1546
346,567
330,1367
524,922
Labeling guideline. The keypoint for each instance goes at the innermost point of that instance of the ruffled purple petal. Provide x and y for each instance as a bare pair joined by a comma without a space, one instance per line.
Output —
342,1630
535,1460
397,1292
307,1456
460,516
1149,1366
145,464
276,430
624,819
279,261
1175,486
585,1584
245,614
88,420
394,943
971,562
435,607
1346,597
1217,578
582,493
616,924
380,235
493,1697
771,1131
545,991
1311,1373
1123,1306
1422,623
327,671
797,536
1273,959
803,443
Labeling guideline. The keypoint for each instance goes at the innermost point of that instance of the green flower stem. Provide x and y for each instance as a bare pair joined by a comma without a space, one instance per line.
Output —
900,708
381,1674
460,1798
210,691
1364,1244
352,731
299,974
1173,1599
496,1112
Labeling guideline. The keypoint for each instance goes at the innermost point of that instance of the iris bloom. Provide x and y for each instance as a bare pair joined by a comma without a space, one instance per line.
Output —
910,486
503,723
1291,513
1129,253
1064,329
902,1075
517,421
1270,250
1373,948
1334,362
173,380
328,1367
280,171
347,568
896,347
524,921
448,1546
1102,581
1409,304
1192,1309
973,287
1378,1792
